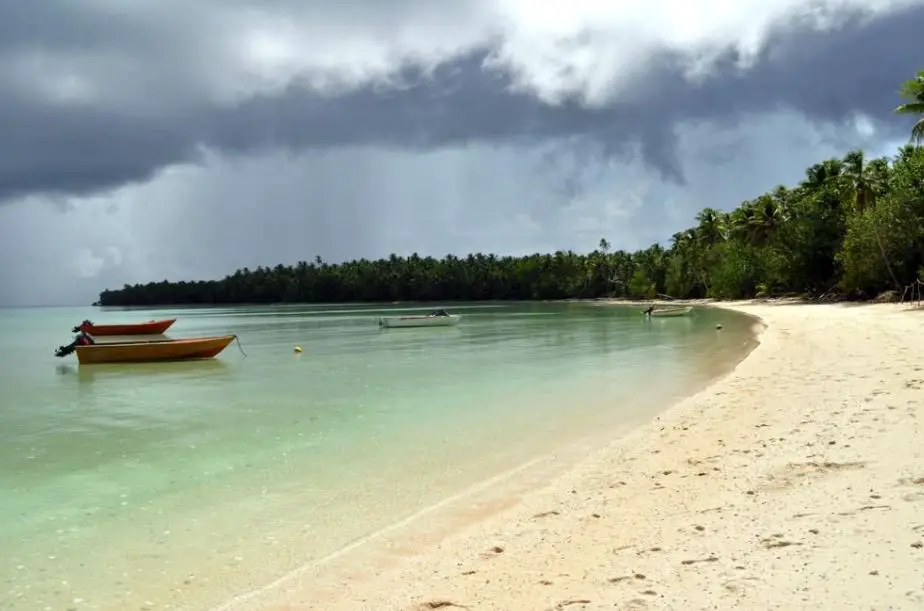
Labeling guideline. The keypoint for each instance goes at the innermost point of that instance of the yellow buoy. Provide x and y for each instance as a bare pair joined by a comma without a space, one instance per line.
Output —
298,349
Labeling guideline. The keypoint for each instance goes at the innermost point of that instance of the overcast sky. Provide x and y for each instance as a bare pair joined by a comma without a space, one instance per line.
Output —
151,139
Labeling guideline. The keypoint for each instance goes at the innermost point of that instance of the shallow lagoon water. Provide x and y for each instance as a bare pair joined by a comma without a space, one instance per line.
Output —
181,485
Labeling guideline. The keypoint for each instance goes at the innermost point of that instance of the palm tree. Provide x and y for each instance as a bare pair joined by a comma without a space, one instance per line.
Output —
768,216
680,240
865,182
756,222
913,91
710,225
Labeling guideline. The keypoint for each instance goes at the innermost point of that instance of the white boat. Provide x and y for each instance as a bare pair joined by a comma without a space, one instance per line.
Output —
435,319
663,312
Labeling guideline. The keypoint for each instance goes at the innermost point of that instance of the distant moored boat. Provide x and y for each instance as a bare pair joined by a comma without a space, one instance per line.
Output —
439,318
151,327
666,312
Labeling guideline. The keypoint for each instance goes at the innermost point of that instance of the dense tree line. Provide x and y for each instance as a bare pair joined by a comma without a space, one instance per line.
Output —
851,227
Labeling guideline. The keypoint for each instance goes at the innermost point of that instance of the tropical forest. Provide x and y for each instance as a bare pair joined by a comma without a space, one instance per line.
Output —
853,228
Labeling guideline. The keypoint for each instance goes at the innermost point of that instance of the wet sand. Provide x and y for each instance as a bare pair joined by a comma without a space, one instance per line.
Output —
796,481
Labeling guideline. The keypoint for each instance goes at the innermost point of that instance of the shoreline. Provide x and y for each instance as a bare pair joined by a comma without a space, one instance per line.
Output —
835,299
425,531
497,491
726,498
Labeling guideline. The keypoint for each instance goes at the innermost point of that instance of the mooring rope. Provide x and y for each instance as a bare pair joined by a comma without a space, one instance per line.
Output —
239,347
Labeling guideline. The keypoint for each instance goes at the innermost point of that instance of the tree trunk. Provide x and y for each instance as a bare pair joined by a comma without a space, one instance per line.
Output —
865,200
885,258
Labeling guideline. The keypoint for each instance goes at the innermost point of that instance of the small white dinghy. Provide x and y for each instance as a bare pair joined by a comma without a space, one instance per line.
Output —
438,318
666,312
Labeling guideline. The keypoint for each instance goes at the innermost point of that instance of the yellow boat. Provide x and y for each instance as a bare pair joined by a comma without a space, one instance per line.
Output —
151,351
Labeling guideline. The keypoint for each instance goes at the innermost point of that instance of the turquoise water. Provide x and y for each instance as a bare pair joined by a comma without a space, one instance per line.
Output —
181,485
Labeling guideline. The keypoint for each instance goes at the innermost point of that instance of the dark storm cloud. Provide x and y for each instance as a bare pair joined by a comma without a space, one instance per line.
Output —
854,67
459,103
82,151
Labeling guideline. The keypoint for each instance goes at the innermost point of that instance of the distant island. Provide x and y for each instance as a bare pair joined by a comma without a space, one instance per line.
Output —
852,228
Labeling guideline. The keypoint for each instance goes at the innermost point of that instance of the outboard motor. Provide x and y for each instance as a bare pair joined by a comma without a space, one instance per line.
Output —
80,327
63,351
83,339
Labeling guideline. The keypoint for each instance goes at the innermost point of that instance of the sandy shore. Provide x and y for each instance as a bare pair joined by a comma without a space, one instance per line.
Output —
796,482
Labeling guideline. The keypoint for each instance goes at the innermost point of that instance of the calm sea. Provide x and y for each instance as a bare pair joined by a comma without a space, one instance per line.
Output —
181,485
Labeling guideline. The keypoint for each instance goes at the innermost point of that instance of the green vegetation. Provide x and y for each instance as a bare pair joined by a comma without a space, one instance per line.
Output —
913,92
851,229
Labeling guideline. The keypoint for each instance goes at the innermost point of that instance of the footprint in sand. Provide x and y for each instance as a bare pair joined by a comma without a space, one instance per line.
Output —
741,585
864,508
794,472
566,604
689,562
494,551
637,576
440,604
917,597
777,541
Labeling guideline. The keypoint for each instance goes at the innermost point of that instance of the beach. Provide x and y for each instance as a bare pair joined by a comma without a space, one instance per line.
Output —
794,482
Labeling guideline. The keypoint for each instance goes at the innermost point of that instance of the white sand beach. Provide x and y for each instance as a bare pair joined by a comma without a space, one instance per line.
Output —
795,482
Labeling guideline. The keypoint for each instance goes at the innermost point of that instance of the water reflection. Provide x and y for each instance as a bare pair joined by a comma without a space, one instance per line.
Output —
185,370
674,322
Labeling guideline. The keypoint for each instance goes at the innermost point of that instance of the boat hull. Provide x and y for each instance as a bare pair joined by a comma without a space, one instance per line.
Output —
672,312
147,352
153,327
419,321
